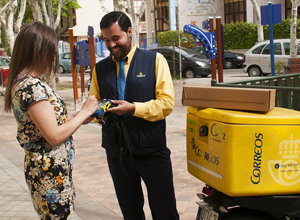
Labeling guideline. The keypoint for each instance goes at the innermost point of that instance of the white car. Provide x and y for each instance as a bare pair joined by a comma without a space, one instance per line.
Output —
257,60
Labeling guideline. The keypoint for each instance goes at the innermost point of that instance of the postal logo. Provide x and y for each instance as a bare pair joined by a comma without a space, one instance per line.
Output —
285,171
140,75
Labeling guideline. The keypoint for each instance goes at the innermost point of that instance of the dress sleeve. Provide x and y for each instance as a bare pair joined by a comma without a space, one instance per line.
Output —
32,92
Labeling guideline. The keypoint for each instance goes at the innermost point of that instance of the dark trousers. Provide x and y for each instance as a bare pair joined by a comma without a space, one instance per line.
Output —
155,169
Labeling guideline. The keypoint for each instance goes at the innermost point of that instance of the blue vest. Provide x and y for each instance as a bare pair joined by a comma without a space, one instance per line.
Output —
144,136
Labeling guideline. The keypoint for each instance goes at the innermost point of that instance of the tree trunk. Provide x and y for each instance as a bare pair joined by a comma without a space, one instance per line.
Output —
260,32
36,10
9,25
20,17
293,30
58,14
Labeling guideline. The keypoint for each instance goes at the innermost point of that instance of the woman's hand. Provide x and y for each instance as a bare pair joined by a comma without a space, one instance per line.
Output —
90,106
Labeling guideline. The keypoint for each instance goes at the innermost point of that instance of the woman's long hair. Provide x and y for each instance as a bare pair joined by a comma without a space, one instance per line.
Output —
35,51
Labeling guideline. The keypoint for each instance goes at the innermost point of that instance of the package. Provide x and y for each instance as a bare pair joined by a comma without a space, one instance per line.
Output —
245,153
229,98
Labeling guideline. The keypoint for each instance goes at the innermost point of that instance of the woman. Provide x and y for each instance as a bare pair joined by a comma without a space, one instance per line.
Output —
43,128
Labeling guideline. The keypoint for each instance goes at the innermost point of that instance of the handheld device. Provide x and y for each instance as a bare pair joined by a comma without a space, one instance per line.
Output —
103,105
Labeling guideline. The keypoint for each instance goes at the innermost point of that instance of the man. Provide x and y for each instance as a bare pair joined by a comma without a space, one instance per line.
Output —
134,131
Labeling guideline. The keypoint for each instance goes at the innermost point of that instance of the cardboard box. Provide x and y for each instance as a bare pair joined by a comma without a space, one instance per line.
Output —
229,98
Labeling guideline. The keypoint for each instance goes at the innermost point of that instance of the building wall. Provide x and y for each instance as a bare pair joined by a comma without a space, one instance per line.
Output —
196,11
90,14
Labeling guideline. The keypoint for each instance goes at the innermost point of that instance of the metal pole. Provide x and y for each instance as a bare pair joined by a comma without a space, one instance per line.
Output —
82,71
270,15
212,62
180,67
73,67
220,49
91,42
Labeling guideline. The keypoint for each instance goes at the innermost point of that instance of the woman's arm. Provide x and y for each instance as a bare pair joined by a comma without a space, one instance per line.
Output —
42,114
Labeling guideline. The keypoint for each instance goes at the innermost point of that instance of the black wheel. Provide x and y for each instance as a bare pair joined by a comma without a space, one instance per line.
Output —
228,64
245,214
254,71
61,69
189,73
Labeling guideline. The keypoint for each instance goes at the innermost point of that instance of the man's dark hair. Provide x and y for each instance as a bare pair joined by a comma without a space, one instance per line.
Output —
113,17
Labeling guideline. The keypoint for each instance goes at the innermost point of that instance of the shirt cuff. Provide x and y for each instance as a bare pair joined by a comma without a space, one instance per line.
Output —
140,109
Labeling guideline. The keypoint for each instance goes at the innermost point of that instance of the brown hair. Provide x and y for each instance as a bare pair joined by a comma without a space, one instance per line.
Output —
35,51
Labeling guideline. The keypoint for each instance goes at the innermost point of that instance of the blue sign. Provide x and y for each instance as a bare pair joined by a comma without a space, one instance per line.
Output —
268,13
90,31
206,24
276,14
82,53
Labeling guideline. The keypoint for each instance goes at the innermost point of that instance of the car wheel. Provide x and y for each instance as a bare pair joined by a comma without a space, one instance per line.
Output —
254,71
61,69
228,64
189,73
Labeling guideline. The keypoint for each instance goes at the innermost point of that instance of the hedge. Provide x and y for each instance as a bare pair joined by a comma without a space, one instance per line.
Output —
238,35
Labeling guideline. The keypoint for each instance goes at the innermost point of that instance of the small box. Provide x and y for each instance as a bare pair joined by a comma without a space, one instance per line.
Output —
245,153
229,98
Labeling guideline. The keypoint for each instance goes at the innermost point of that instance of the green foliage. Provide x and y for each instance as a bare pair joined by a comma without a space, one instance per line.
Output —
279,65
66,10
4,43
238,35
168,37
242,35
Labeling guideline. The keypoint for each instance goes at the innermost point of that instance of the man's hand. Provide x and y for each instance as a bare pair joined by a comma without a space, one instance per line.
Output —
122,108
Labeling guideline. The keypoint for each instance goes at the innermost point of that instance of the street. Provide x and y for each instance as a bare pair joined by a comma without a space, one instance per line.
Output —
228,76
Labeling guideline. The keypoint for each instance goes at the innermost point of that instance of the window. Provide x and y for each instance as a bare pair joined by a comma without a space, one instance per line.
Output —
162,22
277,49
66,56
266,49
235,10
4,62
286,47
258,49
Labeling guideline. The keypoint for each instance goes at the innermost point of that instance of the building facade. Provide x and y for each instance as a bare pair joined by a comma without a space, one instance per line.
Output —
196,11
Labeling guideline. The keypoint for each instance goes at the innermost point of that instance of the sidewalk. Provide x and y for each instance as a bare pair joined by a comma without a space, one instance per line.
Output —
94,188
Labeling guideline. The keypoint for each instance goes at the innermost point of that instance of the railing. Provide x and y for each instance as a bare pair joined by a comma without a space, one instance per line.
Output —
287,88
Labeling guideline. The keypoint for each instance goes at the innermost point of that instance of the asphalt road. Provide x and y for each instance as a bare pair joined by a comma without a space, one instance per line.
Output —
229,75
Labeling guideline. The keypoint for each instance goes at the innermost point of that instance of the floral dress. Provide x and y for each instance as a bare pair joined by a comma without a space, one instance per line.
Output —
48,170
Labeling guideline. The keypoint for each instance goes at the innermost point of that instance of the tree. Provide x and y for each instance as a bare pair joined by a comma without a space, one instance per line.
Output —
52,11
293,30
260,32
7,18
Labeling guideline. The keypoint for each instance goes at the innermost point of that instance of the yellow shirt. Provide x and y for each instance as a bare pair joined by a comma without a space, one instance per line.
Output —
152,110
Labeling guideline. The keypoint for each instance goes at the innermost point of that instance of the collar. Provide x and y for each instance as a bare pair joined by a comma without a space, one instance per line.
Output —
129,55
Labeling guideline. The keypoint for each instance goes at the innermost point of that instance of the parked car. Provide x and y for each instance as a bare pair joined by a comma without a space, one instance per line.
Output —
231,60
4,70
4,62
193,64
65,62
257,59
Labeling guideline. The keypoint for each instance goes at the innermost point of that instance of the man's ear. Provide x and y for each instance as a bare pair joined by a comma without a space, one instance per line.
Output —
129,32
